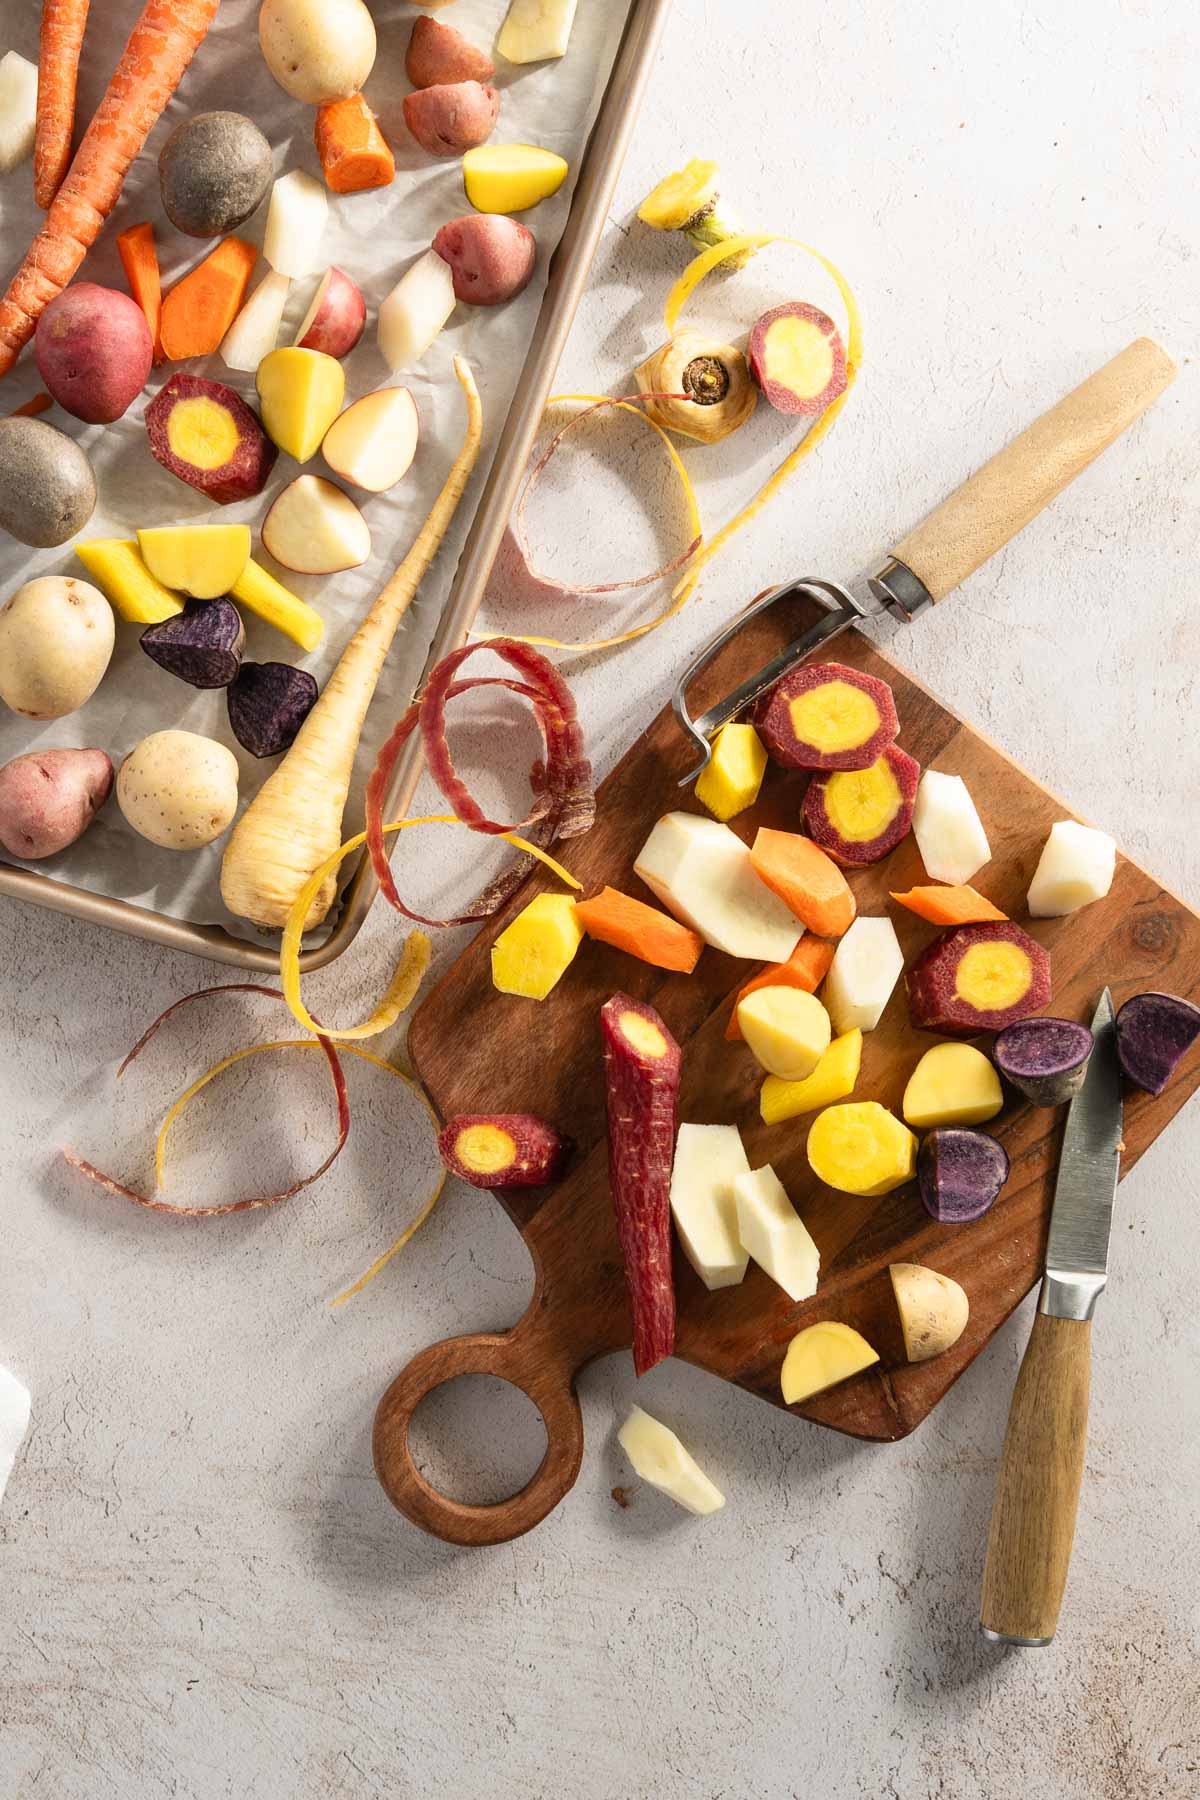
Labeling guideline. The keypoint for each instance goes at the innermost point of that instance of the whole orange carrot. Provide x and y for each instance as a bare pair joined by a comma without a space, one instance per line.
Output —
160,47
63,23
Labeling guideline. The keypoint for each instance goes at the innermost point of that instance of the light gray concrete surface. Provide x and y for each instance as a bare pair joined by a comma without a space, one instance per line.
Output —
205,1592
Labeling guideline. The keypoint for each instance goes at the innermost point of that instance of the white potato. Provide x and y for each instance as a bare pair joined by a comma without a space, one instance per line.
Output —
178,789
56,639
317,50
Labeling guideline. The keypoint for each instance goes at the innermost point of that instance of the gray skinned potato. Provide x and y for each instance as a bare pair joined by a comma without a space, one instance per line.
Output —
47,484
56,640
48,798
213,171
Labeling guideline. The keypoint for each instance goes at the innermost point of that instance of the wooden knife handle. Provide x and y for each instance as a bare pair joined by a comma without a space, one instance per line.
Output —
1037,1493
1011,489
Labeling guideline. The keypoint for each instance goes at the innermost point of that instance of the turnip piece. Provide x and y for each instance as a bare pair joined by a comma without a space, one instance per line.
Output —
536,30
14,1419
336,317
18,121
1044,1059
978,978
866,966
415,311
295,224
267,704
827,716
701,871
641,1075
708,1158
933,1310
373,442
960,1173
659,1458
948,830
1154,1032
504,1150
1076,867
858,815
491,257
774,1233
316,529
202,645
253,333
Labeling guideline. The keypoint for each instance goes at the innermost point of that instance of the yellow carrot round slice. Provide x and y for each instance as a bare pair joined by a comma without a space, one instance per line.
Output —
678,298
414,958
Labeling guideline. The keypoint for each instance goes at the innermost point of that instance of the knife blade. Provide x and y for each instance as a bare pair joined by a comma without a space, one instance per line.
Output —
1088,1169
1041,1464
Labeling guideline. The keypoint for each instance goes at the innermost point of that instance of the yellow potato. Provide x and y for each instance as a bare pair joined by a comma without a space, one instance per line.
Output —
953,1084
732,778
832,1079
530,954
178,790
317,50
510,178
787,1029
821,1356
301,393
56,640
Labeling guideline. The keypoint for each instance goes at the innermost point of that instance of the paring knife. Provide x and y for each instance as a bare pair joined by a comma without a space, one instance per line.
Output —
1041,1464
959,535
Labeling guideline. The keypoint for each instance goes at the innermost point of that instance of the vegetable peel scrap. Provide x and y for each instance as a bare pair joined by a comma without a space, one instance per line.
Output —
414,959
514,562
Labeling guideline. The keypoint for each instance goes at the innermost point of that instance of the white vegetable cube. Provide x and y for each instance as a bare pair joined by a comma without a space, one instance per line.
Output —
701,871
535,30
659,1458
415,311
14,1422
708,1158
18,109
948,830
252,335
866,967
1077,865
774,1233
295,222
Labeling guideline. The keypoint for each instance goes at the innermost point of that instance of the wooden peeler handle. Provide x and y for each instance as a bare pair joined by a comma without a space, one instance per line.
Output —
521,1356
1011,489
1037,1492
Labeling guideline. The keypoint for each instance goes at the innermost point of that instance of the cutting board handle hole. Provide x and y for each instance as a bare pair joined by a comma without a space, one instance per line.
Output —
477,1438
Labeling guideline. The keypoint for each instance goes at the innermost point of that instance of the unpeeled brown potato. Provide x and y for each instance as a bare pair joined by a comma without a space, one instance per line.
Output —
178,789
317,50
56,639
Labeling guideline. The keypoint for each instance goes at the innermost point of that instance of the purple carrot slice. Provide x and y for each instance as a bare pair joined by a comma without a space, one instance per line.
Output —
641,1073
504,1150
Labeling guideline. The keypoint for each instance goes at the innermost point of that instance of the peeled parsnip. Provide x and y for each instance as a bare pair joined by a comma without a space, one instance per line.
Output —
294,822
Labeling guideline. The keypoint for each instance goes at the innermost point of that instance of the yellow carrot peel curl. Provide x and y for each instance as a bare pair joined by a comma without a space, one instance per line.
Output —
414,959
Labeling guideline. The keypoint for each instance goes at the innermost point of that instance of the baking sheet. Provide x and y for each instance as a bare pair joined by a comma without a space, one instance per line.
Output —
373,236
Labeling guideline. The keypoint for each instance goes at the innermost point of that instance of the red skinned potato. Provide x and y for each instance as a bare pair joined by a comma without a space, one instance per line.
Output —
826,716
797,357
491,257
978,978
336,317
438,55
94,351
48,798
452,117
858,815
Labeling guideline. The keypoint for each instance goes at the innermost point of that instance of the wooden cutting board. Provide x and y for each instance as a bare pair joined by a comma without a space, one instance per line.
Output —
479,1050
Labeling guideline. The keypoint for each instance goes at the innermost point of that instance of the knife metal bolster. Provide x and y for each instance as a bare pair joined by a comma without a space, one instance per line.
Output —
902,592
1070,1295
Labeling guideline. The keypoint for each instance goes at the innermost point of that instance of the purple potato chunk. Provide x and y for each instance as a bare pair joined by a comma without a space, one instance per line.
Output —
960,1172
268,703
1044,1059
1154,1033
202,644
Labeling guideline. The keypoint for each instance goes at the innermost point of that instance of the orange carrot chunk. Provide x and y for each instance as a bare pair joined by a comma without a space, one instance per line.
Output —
949,905
63,24
139,259
199,310
37,403
806,880
806,968
639,930
353,151
166,37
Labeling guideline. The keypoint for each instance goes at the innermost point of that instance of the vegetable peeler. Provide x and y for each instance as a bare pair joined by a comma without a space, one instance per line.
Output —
956,538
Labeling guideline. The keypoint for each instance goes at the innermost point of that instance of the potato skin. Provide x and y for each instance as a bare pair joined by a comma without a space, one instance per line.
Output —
47,484
178,789
213,171
438,54
48,798
317,50
452,116
56,639
491,257
94,351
